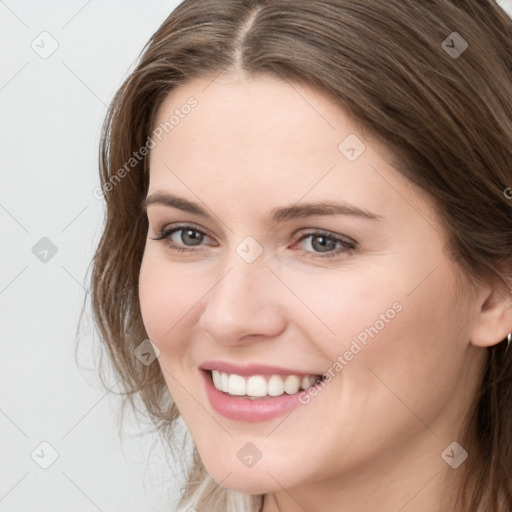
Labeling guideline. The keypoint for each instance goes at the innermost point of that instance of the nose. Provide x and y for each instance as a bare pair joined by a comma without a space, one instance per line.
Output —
244,303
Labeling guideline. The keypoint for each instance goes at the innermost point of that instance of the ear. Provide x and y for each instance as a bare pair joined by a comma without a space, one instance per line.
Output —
493,321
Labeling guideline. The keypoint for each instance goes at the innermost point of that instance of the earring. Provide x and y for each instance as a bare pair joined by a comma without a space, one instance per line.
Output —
509,339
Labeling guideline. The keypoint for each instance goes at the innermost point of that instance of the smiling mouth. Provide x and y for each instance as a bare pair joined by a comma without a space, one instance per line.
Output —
261,386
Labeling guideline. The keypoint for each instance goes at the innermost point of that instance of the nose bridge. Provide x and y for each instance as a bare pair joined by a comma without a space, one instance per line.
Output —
240,302
245,272
242,284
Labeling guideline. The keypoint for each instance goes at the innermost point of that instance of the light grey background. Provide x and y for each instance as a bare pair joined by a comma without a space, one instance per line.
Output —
51,111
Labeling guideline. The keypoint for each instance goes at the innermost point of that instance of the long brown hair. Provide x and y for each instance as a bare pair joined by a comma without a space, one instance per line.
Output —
443,109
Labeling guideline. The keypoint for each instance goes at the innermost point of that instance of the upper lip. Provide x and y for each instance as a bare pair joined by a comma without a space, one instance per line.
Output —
251,369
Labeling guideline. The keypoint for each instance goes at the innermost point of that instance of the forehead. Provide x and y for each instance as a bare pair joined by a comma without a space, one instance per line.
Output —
260,112
272,139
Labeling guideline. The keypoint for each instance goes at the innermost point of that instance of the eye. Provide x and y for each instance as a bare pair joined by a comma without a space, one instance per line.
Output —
323,244
187,235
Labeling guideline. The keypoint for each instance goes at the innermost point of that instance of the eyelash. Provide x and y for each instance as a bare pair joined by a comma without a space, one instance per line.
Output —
347,247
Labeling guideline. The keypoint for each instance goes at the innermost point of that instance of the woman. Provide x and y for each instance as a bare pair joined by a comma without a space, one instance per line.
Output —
309,215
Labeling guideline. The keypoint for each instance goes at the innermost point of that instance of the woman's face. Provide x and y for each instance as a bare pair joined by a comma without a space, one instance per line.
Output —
258,283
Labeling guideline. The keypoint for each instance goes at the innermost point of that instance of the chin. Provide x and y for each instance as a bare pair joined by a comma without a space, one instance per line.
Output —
244,480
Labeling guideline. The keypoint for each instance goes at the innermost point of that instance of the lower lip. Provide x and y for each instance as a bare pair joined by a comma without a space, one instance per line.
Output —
245,409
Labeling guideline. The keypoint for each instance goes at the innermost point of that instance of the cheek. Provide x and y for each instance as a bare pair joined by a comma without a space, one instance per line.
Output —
166,297
344,309
416,358
363,323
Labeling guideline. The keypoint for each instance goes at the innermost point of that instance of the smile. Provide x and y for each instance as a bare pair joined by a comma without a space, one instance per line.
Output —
254,393
262,386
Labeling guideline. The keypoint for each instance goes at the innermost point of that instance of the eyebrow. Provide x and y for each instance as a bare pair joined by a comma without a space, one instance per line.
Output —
280,214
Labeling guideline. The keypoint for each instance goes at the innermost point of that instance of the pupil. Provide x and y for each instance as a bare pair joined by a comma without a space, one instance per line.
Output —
324,246
190,234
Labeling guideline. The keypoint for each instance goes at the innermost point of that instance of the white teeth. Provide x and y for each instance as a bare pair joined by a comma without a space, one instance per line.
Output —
236,385
217,380
307,382
275,386
258,386
224,380
292,384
